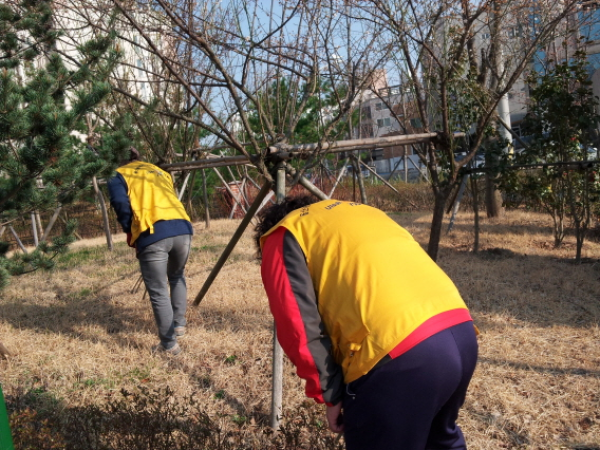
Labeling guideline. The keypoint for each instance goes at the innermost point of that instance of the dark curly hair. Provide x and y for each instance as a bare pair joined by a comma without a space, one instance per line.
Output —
269,217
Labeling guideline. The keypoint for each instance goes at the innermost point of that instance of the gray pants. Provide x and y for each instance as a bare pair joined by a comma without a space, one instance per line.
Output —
161,262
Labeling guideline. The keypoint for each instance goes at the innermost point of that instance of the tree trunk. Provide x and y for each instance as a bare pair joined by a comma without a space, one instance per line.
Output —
475,192
457,200
436,223
361,181
493,198
559,227
105,221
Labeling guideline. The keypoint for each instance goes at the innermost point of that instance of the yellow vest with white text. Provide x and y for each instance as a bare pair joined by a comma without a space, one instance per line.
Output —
374,283
152,197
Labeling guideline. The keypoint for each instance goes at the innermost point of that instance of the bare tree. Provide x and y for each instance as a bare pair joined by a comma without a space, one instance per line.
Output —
211,66
460,58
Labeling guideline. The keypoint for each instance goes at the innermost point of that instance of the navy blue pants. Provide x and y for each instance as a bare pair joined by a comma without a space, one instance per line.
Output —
412,401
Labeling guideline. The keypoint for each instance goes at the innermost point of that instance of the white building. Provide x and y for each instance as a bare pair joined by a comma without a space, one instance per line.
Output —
139,71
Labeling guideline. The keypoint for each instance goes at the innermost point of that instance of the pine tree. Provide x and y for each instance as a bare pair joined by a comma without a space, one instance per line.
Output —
44,98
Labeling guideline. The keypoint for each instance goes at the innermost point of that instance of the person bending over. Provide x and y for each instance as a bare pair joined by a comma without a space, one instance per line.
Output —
157,225
378,331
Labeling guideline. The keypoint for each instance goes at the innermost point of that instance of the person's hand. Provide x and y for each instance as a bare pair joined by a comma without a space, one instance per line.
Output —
129,240
335,418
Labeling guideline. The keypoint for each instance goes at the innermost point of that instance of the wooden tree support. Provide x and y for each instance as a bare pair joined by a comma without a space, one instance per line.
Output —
16,236
267,198
340,176
306,183
379,177
396,168
235,198
34,230
302,150
277,383
232,243
50,224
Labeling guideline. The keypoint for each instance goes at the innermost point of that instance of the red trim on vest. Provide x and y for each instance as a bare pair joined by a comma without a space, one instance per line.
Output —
285,310
430,327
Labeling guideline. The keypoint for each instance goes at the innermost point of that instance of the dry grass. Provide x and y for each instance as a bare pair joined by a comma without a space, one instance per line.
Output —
79,334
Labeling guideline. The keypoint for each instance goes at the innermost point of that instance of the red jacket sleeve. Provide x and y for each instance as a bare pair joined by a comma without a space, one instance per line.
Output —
300,331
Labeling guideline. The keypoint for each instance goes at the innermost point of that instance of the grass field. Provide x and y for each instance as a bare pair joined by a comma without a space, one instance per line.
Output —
79,335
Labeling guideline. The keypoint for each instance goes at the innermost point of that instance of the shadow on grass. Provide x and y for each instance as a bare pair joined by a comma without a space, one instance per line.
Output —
540,290
513,228
541,369
74,312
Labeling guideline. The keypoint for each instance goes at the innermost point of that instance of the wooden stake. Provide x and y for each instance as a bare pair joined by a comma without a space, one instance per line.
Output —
38,219
423,174
235,197
34,229
267,198
16,236
379,177
277,385
306,183
51,224
234,239
340,176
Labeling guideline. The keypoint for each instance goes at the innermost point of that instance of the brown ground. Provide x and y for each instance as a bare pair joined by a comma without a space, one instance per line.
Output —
79,333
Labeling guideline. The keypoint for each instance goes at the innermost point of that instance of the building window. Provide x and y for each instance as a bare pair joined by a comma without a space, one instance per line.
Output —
366,112
379,106
416,123
387,122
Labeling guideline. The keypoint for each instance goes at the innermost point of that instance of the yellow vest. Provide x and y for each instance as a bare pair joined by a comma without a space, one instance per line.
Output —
152,197
374,283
